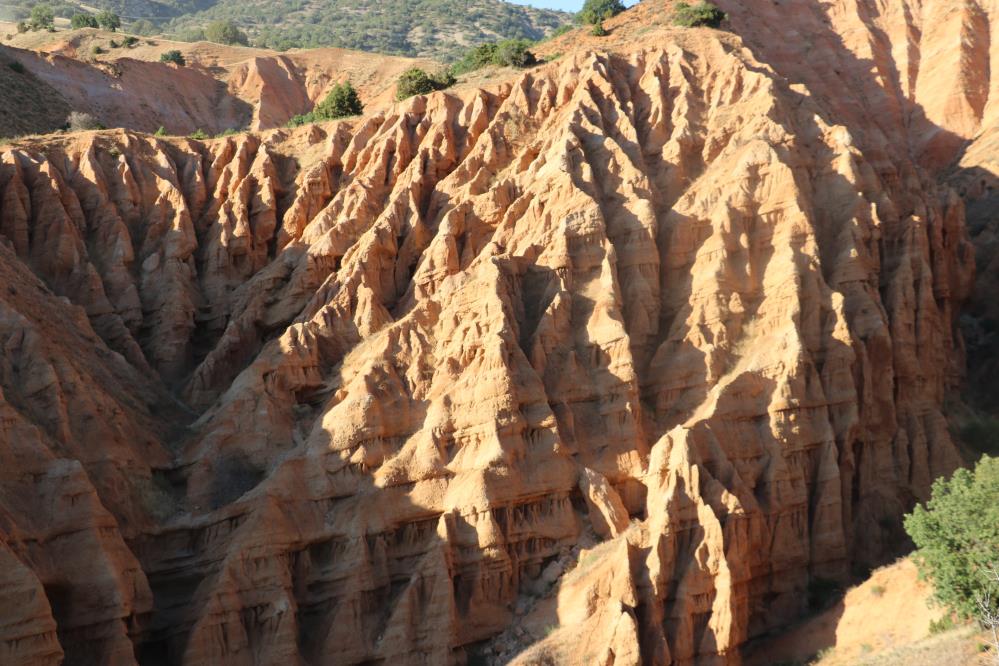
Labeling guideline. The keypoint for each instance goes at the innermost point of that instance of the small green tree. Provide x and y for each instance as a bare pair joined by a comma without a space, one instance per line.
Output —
42,18
225,32
174,56
342,101
108,20
599,30
701,14
415,81
957,537
83,21
594,11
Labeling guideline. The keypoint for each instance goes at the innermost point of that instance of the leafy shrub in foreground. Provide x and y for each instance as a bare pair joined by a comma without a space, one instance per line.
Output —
957,536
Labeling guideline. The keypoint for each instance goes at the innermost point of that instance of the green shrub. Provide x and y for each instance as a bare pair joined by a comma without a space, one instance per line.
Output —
475,58
944,624
130,41
701,14
161,131
42,18
415,81
595,11
113,44
957,535
878,591
198,134
83,21
505,53
96,49
174,56
108,20
514,53
342,101
16,66
599,30
225,32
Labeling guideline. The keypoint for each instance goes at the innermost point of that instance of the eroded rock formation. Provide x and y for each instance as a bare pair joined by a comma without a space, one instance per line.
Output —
358,392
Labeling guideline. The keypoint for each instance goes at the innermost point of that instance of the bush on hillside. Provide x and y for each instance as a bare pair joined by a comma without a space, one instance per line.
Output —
599,30
83,21
79,121
42,18
15,66
505,53
957,537
514,53
130,41
415,81
342,101
701,14
174,56
108,20
225,32
595,11
476,58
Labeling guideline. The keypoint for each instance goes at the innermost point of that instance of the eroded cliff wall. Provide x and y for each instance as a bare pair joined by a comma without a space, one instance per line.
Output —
357,392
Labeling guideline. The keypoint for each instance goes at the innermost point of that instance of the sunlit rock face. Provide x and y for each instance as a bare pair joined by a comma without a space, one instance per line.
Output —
359,392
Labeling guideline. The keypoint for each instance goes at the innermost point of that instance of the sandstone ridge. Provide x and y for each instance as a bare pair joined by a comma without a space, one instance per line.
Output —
371,391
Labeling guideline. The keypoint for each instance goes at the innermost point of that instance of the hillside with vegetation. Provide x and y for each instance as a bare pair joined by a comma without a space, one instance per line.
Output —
440,29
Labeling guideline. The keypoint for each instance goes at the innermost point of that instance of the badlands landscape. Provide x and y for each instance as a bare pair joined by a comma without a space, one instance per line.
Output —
607,360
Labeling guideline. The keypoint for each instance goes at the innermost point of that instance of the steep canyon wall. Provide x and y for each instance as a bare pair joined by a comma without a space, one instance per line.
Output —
357,392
